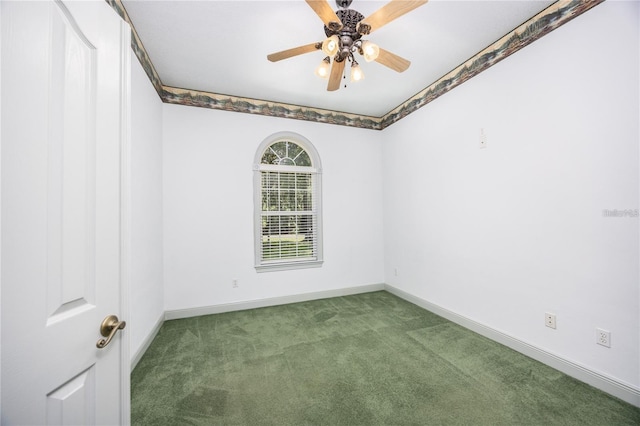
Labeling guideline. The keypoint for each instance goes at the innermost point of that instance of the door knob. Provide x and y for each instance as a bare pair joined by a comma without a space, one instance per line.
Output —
110,325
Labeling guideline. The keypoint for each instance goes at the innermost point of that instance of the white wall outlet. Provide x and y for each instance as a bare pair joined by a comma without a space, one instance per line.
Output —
603,337
550,320
483,139
395,272
234,283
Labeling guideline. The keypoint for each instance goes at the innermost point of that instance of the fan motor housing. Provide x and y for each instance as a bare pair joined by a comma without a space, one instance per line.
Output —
350,19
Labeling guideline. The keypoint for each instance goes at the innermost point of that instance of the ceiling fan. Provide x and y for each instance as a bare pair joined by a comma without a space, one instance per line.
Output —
344,29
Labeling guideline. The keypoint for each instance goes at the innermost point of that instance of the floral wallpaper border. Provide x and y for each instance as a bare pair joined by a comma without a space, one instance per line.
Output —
540,25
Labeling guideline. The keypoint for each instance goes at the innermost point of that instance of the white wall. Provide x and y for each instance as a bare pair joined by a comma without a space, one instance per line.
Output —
147,291
208,208
504,234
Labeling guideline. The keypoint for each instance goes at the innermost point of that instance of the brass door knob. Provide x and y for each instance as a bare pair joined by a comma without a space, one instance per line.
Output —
110,325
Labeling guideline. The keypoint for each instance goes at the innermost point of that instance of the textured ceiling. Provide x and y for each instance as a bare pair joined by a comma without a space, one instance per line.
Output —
221,47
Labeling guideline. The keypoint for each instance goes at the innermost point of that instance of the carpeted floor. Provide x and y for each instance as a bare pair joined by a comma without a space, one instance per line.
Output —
368,359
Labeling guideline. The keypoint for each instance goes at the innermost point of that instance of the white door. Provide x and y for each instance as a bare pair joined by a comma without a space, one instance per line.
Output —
65,73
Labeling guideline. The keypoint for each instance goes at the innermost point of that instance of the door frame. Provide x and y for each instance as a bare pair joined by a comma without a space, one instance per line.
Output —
125,219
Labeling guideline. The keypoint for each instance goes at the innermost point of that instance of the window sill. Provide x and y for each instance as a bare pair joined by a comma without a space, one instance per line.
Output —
287,266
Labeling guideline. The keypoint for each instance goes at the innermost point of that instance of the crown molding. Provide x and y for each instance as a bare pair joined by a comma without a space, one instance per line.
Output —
554,16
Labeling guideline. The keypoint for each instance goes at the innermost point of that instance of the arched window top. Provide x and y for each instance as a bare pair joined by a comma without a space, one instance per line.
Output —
286,153
287,149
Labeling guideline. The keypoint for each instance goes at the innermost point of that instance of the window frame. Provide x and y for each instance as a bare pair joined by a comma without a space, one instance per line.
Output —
316,175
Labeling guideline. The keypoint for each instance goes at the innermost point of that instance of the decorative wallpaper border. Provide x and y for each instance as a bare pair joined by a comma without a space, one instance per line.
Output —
540,25
179,96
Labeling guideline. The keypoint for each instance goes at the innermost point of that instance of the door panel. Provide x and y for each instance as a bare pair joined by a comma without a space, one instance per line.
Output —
64,105
71,167
73,403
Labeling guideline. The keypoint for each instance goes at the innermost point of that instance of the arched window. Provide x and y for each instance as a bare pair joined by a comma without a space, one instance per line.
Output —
287,203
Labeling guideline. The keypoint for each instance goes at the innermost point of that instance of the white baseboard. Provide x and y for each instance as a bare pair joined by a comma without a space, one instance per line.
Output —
274,301
147,342
624,391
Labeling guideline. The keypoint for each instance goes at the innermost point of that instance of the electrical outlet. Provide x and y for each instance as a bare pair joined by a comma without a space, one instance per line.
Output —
550,320
603,337
235,283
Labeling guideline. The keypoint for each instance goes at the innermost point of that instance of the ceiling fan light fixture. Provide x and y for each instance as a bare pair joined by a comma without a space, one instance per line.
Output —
331,45
356,72
324,68
344,29
370,51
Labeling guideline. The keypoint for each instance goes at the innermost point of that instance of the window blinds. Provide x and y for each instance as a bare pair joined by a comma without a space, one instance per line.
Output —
288,216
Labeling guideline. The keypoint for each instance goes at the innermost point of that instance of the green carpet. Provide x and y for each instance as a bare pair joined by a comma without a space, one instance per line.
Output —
368,359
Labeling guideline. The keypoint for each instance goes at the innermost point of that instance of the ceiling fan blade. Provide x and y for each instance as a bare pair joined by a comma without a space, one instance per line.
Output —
392,61
336,75
326,13
285,54
387,13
